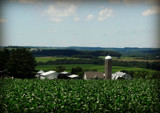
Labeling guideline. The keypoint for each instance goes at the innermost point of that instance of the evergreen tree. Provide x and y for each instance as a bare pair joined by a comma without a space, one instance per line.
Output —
21,64
4,56
76,70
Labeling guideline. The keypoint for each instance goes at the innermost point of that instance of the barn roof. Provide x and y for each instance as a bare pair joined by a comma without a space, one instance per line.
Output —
47,73
92,74
64,72
73,76
40,72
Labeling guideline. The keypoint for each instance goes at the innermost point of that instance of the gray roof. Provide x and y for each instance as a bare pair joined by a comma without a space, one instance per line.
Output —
92,74
48,73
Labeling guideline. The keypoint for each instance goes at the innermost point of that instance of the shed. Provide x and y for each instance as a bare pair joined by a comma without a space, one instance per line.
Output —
63,75
93,75
121,75
49,75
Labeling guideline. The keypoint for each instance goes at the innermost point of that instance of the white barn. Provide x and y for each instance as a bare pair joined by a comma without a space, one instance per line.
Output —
49,75
121,75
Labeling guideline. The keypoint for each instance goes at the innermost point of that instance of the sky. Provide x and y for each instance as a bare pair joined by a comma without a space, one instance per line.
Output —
115,23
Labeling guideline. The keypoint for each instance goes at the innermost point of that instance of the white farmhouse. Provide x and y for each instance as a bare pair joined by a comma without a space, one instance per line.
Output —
49,75
121,75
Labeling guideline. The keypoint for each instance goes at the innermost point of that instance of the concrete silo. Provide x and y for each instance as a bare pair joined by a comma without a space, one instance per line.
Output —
108,67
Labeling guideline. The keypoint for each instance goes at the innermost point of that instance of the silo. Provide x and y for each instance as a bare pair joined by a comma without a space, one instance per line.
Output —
108,67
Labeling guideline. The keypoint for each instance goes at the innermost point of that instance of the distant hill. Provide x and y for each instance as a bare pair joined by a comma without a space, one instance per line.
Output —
127,51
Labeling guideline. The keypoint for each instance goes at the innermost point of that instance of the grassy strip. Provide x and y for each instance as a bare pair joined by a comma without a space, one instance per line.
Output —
45,59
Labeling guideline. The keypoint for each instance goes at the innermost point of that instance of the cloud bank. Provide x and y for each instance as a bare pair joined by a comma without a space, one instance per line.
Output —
151,11
105,13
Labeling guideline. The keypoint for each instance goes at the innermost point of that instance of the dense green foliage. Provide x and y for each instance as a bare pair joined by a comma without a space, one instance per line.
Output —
4,57
18,63
79,95
143,74
78,71
60,68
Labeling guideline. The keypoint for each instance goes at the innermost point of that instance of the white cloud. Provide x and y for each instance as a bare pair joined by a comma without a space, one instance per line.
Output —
61,10
76,19
89,17
153,10
2,20
104,14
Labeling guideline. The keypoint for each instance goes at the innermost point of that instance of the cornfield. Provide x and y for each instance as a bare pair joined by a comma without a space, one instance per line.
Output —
33,95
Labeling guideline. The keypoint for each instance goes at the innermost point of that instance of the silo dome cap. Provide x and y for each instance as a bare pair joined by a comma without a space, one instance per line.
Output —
108,57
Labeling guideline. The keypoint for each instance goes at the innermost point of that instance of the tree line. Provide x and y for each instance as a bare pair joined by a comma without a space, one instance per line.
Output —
75,53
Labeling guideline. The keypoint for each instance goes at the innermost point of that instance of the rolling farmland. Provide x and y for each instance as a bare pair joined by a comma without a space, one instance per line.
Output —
34,95
90,67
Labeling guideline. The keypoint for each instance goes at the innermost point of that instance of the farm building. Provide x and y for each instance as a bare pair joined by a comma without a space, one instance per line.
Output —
121,75
63,75
93,75
108,72
73,76
49,75
64,72
39,73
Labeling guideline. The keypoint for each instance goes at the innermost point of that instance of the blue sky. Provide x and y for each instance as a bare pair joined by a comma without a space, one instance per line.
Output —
92,24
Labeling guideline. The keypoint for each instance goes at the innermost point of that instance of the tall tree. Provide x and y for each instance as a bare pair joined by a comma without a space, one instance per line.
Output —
4,56
21,64
76,70
60,68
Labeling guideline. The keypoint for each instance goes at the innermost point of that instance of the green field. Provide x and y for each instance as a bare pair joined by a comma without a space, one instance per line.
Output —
95,96
45,59
90,67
